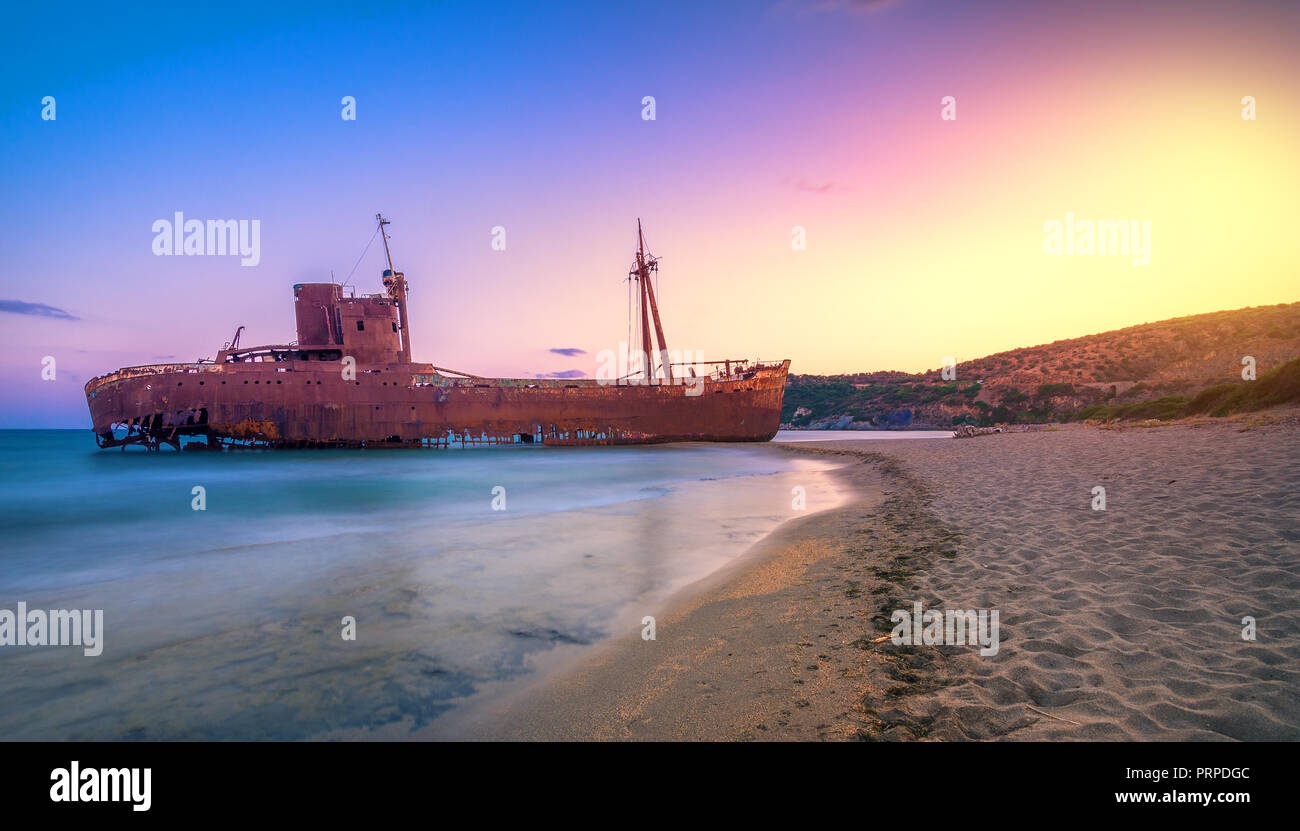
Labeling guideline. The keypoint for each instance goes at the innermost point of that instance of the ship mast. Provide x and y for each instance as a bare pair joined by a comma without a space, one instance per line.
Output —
645,266
395,284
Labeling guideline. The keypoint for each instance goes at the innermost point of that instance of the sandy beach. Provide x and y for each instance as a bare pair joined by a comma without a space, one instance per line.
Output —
1116,624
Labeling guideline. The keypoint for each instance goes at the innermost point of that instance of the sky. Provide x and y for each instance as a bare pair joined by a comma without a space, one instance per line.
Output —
924,236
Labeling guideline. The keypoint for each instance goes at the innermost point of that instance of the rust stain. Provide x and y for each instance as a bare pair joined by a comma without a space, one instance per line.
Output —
252,429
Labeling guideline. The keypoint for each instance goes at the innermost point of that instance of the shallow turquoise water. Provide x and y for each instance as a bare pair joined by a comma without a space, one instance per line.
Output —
226,622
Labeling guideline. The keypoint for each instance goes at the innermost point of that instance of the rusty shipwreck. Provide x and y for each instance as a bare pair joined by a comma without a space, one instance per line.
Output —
349,381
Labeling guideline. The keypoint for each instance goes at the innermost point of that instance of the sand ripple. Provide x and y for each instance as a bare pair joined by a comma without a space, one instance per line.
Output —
1124,623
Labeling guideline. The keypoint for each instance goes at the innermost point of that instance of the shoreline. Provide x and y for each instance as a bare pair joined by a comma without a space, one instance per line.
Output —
1116,625
725,664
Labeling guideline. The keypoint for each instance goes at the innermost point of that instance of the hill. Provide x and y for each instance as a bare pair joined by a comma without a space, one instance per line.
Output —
1156,370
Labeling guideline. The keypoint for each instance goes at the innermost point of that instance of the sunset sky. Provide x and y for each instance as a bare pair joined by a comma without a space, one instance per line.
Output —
924,235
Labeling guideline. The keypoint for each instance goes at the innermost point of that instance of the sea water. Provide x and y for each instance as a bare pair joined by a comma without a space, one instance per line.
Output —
227,580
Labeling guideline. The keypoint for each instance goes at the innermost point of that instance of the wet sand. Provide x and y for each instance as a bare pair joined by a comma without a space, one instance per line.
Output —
1122,624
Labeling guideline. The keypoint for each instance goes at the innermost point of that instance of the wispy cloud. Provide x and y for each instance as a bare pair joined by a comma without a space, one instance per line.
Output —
568,373
810,187
20,307
568,351
803,7
859,6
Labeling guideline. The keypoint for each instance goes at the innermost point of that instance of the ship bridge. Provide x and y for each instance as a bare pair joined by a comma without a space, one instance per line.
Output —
368,327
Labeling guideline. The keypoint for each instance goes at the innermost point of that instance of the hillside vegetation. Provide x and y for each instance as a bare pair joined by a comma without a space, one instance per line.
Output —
1185,366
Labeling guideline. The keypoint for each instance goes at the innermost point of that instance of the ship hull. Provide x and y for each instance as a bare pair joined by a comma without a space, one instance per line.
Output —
313,404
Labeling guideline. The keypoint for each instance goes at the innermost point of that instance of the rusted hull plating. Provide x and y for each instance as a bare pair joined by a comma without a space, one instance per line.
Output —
310,404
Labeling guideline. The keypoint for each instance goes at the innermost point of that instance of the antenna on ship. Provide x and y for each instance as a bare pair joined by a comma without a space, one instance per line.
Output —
395,284
645,266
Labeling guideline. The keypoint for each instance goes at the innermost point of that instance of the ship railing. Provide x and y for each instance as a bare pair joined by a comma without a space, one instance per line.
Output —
735,369
276,352
437,379
157,369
